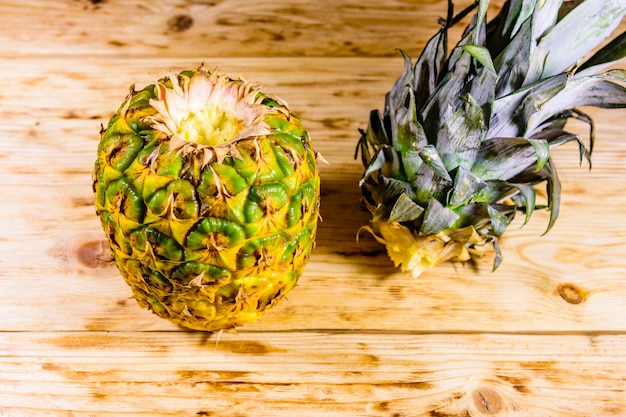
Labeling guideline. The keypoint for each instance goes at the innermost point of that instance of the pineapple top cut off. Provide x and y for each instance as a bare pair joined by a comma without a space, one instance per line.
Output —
208,192
465,136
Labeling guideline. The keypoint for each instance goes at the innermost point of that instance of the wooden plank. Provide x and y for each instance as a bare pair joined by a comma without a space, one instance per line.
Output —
569,280
544,335
115,28
312,374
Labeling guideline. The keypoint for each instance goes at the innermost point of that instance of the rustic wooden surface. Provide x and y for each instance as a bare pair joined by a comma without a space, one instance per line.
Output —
544,335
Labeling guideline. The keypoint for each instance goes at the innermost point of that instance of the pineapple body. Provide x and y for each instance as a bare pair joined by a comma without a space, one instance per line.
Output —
465,136
208,192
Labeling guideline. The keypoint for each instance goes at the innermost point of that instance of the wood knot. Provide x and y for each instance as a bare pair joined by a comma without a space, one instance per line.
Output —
93,254
85,253
487,401
179,23
571,293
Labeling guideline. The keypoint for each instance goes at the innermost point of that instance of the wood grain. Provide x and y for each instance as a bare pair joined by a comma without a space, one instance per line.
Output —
544,335
179,28
310,373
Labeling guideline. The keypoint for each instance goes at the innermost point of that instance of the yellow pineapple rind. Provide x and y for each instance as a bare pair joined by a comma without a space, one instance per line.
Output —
209,243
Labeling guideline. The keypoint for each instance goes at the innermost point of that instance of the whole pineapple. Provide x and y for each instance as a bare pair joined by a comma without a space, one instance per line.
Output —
208,192
466,136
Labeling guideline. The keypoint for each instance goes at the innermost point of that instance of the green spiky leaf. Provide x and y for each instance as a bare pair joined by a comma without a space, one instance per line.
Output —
499,221
437,218
466,185
613,51
375,164
405,210
480,54
502,158
553,188
542,150
594,90
411,162
569,40
528,199
376,133
428,66
459,138
430,156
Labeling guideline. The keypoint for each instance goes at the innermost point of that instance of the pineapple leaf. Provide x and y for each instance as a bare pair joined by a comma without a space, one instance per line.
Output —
405,210
535,65
409,133
393,187
428,67
480,54
558,137
613,51
380,191
542,149
545,16
437,218
553,189
480,21
363,148
411,162
579,32
526,9
444,100
594,90
498,259
512,62
393,164
503,158
511,112
528,197
459,138
583,117
499,221
506,25
406,79
427,184
466,185
432,159
376,133
494,191
374,165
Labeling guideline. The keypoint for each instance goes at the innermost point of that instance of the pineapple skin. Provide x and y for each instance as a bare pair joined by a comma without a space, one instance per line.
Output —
207,244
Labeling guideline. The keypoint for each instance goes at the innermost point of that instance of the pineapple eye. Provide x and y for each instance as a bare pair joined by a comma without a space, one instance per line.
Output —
214,231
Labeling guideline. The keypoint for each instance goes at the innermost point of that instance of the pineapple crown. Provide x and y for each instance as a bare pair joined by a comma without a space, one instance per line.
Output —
466,134
207,112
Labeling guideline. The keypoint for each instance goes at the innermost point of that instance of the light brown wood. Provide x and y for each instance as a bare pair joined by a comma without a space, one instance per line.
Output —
310,373
544,335
114,28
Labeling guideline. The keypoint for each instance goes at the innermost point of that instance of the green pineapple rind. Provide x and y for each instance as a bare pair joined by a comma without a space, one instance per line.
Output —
465,136
206,246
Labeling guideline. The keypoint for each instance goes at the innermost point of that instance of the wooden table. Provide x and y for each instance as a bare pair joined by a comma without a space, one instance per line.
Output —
544,335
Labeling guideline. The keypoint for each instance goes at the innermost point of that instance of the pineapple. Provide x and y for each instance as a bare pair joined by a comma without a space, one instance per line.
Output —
208,192
465,136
